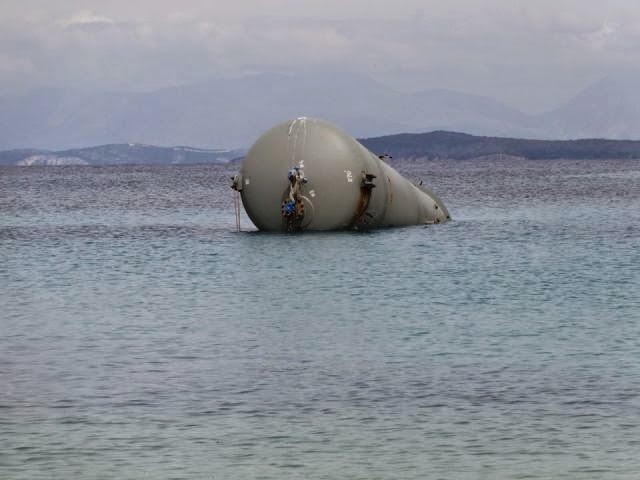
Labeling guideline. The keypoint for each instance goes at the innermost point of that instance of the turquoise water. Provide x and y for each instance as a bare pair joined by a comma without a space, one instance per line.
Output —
143,338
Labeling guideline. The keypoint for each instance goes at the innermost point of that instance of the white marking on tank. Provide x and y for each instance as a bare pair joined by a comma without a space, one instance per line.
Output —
349,176
304,130
294,129
293,143
247,181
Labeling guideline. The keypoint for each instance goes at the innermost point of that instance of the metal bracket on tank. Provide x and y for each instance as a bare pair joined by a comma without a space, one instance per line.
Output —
292,207
367,181
236,182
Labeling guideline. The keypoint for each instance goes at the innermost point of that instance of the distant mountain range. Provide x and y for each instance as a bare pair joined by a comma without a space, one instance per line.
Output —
234,112
439,144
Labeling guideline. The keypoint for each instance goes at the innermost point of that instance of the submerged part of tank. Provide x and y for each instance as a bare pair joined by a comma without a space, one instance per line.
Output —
307,174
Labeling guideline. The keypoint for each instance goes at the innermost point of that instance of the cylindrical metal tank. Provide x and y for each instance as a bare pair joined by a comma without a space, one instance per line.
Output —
307,174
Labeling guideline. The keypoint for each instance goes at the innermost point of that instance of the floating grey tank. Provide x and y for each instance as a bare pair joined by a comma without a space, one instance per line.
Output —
307,174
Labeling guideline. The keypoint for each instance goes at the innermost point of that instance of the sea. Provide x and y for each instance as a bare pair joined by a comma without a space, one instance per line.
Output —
142,336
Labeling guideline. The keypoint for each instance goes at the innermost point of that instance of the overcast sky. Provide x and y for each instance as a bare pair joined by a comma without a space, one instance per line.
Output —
529,54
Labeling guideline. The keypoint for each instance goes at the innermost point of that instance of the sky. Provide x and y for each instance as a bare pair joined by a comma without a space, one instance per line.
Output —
532,55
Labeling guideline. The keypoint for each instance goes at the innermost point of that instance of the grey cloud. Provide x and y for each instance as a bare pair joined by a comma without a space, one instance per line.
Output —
492,47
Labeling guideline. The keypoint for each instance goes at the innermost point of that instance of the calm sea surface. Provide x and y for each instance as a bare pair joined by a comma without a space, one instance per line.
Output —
141,337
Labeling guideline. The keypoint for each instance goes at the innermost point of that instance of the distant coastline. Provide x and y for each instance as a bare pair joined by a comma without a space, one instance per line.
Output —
461,146
408,146
119,154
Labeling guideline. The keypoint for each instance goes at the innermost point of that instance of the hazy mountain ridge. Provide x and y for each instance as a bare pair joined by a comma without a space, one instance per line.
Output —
610,108
234,112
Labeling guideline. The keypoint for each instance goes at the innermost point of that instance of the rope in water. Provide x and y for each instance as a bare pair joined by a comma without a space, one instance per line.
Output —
236,204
